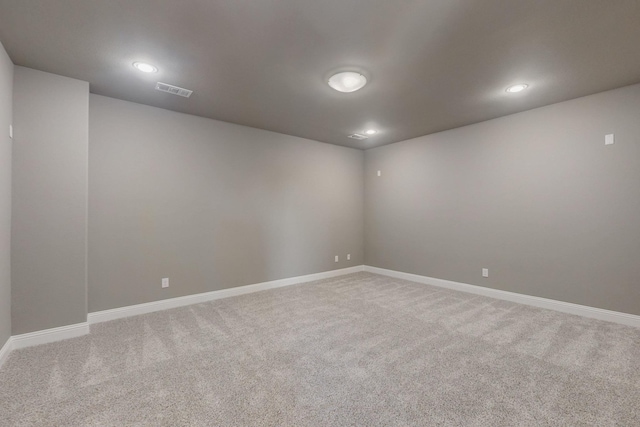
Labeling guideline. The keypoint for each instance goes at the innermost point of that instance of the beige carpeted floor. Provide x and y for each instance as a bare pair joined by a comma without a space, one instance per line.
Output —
358,350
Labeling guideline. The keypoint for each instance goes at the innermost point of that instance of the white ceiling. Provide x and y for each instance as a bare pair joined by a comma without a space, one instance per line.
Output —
432,64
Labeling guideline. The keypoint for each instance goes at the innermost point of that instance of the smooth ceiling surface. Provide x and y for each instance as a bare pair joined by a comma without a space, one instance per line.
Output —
432,65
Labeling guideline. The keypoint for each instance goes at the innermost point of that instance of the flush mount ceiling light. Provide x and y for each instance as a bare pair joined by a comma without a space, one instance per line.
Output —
517,88
348,81
145,68
370,131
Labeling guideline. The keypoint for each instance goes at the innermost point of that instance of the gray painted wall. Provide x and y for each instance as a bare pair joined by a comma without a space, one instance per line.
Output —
6,117
48,247
535,197
211,205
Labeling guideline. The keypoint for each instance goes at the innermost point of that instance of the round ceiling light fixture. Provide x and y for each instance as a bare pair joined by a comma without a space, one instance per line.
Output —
370,131
347,81
145,68
517,88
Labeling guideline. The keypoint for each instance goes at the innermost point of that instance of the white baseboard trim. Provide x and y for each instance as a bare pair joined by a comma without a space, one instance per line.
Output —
565,307
5,350
150,307
49,335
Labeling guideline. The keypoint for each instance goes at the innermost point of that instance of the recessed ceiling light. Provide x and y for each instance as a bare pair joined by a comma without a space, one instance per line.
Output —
145,68
517,88
348,81
370,131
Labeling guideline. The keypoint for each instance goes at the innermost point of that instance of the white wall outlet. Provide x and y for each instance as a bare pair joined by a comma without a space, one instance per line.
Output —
11,131
337,258
165,282
485,272
609,139
348,257
379,173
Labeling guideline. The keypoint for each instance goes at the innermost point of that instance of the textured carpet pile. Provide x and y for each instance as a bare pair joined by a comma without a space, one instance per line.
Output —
357,350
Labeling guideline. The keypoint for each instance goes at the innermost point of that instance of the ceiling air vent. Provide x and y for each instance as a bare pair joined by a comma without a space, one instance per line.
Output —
175,90
358,136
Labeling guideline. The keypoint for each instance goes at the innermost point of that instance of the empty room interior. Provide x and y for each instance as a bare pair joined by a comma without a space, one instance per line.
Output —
320,213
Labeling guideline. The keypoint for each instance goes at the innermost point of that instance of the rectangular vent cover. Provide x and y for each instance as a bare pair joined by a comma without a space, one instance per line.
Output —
175,90
358,136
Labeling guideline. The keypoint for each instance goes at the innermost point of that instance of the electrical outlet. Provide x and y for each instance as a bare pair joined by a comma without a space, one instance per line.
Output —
336,258
485,272
165,282
609,139
379,173
348,257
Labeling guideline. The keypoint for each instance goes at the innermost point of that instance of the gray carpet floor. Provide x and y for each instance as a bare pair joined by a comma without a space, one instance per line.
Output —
357,350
